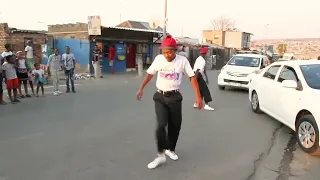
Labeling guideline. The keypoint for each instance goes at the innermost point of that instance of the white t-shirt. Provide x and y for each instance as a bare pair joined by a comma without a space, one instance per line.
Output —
22,64
170,73
5,54
29,51
39,71
199,64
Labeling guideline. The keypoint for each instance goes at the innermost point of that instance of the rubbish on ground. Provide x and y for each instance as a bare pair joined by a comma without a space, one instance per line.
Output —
83,76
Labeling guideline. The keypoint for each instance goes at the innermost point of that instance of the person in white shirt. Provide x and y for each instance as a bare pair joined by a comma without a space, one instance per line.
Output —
29,53
54,71
200,70
168,101
22,74
7,52
69,63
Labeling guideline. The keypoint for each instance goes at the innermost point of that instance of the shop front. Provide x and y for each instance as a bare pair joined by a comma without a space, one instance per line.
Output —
126,46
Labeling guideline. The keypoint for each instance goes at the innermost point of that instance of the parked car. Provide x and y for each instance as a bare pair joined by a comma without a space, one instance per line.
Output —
289,91
236,73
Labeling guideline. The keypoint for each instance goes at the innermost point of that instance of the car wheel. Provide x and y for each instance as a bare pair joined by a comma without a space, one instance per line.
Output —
221,87
255,102
307,134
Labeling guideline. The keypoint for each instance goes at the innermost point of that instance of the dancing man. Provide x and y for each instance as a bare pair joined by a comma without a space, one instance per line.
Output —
167,99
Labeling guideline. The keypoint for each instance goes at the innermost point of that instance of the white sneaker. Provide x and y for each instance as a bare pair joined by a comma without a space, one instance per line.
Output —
161,159
56,93
195,105
172,155
207,107
59,92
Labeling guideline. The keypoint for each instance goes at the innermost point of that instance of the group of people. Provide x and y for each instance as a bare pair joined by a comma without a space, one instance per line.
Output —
17,69
170,67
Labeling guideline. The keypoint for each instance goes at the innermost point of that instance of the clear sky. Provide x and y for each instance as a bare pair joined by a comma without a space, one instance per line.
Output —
286,18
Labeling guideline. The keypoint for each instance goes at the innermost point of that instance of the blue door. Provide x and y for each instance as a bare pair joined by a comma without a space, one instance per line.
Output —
120,58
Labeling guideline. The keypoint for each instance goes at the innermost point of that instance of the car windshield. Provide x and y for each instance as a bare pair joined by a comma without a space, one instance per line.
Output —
244,61
312,75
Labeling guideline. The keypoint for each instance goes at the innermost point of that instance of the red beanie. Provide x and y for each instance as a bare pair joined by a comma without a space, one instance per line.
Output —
169,43
203,50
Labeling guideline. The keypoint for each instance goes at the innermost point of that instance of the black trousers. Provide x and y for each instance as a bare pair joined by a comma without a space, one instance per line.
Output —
169,115
204,90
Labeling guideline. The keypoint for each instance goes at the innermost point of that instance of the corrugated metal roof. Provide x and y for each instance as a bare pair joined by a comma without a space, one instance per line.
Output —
137,25
134,29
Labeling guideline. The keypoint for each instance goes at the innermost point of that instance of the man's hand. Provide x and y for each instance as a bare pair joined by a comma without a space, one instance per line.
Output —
139,94
199,102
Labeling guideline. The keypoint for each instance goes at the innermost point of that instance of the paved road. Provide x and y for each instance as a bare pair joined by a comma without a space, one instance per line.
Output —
103,133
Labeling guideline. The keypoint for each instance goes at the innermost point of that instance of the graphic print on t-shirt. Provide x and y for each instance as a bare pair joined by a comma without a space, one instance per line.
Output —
169,74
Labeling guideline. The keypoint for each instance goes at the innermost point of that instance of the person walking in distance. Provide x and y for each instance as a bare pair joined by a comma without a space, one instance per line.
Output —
111,58
11,79
168,100
200,71
96,62
69,63
54,71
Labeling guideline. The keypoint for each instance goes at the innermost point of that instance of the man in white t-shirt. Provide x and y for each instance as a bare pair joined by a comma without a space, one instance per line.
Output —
169,66
200,70
29,53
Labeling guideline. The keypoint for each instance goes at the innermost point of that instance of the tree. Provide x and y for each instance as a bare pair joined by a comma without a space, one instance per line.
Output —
282,48
223,24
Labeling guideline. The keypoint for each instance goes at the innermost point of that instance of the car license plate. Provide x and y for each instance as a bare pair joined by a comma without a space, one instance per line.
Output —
234,84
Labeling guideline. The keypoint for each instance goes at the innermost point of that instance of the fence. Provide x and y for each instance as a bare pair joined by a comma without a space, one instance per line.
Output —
222,56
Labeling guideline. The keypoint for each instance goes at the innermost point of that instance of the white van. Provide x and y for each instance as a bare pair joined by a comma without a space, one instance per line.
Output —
236,73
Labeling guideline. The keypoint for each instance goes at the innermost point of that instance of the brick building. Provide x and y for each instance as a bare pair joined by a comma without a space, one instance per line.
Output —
231,39
18,38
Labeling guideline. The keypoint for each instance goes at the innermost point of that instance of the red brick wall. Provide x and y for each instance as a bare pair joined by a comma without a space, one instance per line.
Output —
17,41
3,35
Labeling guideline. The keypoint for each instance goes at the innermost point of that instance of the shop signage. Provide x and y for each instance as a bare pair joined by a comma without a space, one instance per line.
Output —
94,25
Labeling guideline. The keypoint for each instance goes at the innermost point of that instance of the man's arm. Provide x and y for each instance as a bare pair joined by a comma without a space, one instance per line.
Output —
74,60
48,64
145,81
193,80
63,60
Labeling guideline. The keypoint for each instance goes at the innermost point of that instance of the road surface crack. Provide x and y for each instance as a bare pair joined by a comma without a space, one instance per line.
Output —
257,161
285,169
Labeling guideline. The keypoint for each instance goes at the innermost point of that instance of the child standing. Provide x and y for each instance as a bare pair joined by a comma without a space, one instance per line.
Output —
39,78
10,75
22,74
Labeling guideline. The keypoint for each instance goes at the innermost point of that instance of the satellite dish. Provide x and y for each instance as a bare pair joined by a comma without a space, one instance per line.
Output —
154,23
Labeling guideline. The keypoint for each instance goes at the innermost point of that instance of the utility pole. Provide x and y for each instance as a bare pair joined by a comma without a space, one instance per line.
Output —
165,19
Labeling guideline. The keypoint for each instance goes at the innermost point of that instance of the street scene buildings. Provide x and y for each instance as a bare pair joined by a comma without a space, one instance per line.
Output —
100,131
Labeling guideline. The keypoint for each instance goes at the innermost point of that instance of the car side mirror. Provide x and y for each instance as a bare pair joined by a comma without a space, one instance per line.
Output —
289,84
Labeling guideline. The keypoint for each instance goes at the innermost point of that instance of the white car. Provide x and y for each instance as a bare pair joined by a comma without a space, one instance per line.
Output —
236,73
289,91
